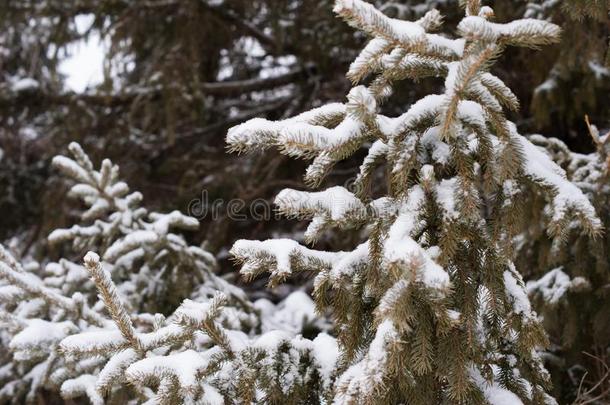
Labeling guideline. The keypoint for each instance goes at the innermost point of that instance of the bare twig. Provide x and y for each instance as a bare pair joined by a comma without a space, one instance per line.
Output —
588,396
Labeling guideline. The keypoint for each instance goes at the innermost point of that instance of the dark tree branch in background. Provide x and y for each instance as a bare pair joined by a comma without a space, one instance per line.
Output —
241,86
119,6
247,27
246,115
221,89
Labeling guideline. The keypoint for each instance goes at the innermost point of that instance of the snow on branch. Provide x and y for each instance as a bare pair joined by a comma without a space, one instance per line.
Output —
110,296
261,134
281,257
529,33
333,206
364,379
566,196
403,252
180,369
554,285
367,18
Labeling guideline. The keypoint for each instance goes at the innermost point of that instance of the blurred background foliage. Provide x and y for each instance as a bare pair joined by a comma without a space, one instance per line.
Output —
179,73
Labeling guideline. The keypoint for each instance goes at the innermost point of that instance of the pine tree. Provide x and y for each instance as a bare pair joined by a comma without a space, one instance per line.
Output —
130,237
570,278
430,308
153,268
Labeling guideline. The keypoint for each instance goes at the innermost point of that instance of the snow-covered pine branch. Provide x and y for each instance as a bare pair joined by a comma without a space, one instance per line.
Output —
37,318
434,277
193,356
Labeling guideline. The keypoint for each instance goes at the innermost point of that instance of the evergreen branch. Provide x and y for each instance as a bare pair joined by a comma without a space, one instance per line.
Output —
112,300
467,72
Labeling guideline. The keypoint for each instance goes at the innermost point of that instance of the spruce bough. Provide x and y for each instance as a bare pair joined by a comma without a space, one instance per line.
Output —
430,308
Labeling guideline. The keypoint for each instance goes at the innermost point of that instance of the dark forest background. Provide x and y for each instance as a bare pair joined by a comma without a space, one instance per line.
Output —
181,72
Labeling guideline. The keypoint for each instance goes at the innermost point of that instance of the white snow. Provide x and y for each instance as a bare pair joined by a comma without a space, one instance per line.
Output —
514,289
283,251
326,354
301,136
390,298
68,165
429,105
337,203
269,341
540,167
83,384
400,248
23,84
41,334
184,366
361,100
399,30
92,341
373,49
292,313
130,242
471,112
441,152
175,219
193,312
554,285
349,262
115,367
493,392
600,71
480,28
454,46
445,194
361,378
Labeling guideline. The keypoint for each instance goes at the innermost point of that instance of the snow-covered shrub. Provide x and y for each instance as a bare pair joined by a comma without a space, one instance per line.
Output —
197,355
429,308
95,331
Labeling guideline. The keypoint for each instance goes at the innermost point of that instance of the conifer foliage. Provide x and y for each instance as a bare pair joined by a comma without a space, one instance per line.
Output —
570,280
146,267
108,339
582,64
429,308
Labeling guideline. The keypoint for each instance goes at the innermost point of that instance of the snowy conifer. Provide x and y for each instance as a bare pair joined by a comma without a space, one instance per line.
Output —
429,308
570,278
140,245
146,263
75,338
